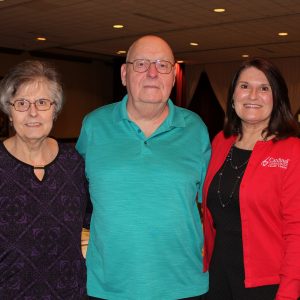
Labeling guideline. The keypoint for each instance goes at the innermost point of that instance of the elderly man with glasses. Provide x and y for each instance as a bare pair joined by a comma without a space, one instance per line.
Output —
145,162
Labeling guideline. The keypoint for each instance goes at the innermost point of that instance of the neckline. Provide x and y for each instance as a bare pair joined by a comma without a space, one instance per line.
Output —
32,166
241,149
258,142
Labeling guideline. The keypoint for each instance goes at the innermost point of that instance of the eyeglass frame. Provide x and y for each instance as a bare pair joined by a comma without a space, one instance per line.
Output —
151,62
32,103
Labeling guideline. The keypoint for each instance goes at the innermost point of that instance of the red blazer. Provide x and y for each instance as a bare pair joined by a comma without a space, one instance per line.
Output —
270,213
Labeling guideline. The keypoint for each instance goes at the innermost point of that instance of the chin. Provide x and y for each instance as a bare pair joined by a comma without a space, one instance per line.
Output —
154,100
34,136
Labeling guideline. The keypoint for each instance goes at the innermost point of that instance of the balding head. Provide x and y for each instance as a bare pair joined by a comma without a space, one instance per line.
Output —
150,44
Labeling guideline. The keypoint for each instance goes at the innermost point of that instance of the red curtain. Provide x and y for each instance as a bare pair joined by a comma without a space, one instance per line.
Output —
180,86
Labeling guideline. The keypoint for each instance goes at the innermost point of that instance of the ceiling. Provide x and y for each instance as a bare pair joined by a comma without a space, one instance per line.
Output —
83,28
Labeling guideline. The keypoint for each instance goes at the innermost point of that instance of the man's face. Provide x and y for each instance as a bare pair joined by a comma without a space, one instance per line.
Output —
151,86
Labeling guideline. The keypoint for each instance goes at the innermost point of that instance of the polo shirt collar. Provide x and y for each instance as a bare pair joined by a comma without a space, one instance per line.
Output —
120,110
175,117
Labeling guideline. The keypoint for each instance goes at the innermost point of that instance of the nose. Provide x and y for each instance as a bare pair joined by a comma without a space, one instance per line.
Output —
152,71
32,109
253,93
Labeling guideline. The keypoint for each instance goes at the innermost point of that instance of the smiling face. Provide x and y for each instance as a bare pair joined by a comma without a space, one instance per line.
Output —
32,124
253,100
150,86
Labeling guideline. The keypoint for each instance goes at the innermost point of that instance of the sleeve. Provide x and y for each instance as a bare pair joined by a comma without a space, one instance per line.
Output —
205,157
88,209
81,145
289,288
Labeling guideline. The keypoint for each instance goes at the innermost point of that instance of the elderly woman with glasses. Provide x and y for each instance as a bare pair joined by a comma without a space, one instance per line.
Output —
43,192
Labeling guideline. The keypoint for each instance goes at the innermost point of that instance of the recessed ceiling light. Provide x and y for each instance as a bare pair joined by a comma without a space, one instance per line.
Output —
41,39
121,52
219,10
118,26
245,55
180,61
282,33
194,44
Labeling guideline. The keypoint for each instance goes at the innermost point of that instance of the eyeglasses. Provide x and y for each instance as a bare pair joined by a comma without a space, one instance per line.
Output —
40,104
143,65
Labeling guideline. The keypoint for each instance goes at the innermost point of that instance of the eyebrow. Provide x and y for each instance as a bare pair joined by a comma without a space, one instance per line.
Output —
243,81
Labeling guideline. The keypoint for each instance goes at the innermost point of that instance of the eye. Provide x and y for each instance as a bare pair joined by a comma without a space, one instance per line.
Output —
20,103
42,102
243,85
163,64
265,88
140,63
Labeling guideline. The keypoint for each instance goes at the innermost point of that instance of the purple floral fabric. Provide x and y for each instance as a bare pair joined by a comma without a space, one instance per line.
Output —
40,228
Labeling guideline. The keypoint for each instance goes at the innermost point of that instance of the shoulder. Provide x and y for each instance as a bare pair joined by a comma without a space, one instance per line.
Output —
101,112
2,146
100,116
68,151
190,118
188,113
289,145
220,139
4,156
293,141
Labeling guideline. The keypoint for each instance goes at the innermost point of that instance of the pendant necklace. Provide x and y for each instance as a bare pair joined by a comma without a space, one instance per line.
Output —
238,170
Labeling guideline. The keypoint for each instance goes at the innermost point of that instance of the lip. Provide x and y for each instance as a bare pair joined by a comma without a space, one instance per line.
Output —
150,86
252,105
33,124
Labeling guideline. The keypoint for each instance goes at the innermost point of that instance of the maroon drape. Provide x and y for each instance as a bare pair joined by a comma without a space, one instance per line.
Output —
180,90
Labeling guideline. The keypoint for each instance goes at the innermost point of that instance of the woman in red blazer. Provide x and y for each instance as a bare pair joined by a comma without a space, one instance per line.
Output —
251,198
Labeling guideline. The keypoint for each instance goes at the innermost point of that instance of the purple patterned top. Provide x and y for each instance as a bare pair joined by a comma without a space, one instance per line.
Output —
40,228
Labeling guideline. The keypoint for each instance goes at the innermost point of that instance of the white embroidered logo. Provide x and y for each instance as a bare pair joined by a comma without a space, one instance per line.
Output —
275,162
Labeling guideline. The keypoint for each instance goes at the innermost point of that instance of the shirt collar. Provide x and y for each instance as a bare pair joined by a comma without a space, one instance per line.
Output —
120,110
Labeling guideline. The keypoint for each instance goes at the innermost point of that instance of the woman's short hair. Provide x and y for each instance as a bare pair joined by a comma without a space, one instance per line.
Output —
27,72
281,124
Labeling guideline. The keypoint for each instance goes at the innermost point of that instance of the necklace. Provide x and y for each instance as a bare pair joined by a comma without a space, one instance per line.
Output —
238,171
38,167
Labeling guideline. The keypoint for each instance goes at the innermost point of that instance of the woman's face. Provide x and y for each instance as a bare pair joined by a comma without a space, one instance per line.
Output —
253,99
32,125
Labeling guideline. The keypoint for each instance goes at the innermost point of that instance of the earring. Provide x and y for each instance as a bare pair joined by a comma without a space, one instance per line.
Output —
232,104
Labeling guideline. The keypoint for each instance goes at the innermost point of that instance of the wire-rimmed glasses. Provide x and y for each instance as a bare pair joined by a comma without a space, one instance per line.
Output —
143,65
41,104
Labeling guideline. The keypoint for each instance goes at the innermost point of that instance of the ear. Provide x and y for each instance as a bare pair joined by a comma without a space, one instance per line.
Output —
123,74
174,74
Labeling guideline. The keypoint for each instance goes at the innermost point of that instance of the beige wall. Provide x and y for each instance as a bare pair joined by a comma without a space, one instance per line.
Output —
86,87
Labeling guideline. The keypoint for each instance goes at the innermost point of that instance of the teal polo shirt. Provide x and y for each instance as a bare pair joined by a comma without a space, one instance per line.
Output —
145,234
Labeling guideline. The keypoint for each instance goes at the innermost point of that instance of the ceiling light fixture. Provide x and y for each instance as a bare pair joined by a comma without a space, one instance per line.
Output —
282,33
41,39
118,26
180,61
194,44
219,10
245,55
121,52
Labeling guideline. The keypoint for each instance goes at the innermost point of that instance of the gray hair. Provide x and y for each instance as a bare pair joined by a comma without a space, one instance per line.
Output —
26,72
